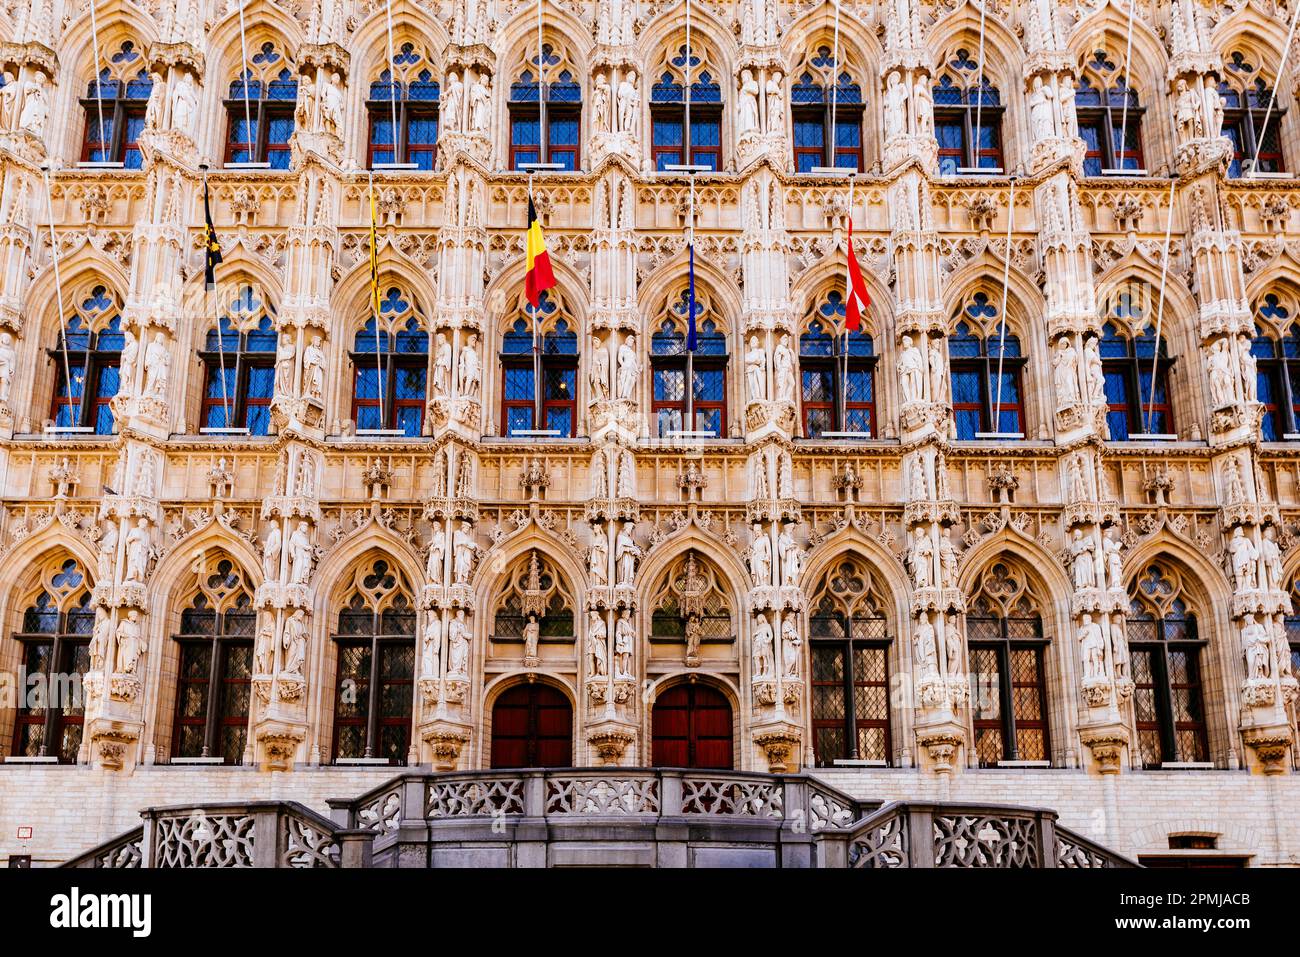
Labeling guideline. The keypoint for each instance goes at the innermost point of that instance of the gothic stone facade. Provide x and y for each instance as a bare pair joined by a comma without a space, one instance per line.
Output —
1039,547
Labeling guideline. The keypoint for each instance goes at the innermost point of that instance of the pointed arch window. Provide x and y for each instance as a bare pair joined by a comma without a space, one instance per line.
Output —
974,347
1112,136
55,647
967,117
1165,649
94,339
668,364
1004,634
823,383
815,143
215,666
1245,96
672,139
849,641
260,107
1127,362
391,365
546,128
1277,367
118,96
553,356
534,584
375,675
692,594
244,344
408,88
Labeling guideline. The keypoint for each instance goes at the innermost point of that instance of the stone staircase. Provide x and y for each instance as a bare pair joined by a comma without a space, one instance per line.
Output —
648,817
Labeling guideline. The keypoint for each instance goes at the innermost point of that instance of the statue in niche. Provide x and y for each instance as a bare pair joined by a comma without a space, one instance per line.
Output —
629,106
441,366
1065,373
36,109
152,109
431,661
130,644
99,639
157,367
629,368
1270,558
775,103
313,365
627,475
1095,374
953,639
1244,557
927,658
911,371
295,643
599,375
458,646
791,558
938,376
624,638
451,110
107,552
1254,642
271,553
760,556
598,558
764,643
464,549
790,645
137,552
599,476
597,646
480,105
1041,121
1112,547
1082,561
756,370
264,649
185,100
600,103
747,106
783,364
626,553
923,104
785,476
921,558
532,633
895,106
285,353
1187,111
1219,366
435,566
8,101
300,555
1092,647
1249,370
947,562
467,372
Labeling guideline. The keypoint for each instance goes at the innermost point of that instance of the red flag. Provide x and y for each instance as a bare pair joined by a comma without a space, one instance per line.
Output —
858,299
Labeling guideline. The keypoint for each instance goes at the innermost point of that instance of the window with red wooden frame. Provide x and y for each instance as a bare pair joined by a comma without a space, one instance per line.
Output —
1009,692
546,129
532,727
411,99
691,728
1128,361
260,107
1248,101
390,371
668,365
558,362
1165,650
54,645
375,669
979,348
247,360
824,136
1109,115
673,141
850,687
822,373
118,97
90,347
214,678
967,117
1277,368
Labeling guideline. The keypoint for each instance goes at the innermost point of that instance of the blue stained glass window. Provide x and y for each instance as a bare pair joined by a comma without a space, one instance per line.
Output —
518,340
519,383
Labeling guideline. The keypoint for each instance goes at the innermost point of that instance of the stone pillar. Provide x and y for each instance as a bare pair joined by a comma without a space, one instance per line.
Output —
456,398
613,372
769,331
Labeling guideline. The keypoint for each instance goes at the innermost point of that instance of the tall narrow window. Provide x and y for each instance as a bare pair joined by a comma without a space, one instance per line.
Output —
692,604
374,677
848,642
546,131
535,583
819,140
1277,367
540,339
668,363
1004,633
1245,96
967,117
978,347
1128,361
90,348
244,345
1165,655
824,386
261,110
115,104
1112,135
413,97
214,674
391,368
675,143
55,653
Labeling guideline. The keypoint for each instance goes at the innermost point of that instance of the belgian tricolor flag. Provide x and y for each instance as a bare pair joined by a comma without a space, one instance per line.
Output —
539,276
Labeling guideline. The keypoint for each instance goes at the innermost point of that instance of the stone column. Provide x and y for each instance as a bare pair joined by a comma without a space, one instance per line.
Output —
769,329
613,372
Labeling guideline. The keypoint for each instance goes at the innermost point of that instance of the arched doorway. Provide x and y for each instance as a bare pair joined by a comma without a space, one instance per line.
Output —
532,727
691,726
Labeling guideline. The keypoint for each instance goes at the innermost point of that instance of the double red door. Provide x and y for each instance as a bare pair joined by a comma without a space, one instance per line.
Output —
532,727
691,725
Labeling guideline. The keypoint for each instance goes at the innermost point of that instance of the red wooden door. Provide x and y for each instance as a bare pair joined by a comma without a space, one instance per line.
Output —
692,728
532,727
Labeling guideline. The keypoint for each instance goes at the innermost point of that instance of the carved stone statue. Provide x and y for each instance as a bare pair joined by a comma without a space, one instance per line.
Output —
1270,558
1041,122
624,640
434,567
36,109
747,106
130,644
911,371
157,367
264,648
271,553
598,558
629,368
895,105
431,660
626,552
467,369
626,475
1245,560
927,657
1065,373
1254,642
441,366
760,556
775,103
921,558
947,562
1092,648
763,647
300,555
599,374
785,476
597,645
756,370
313,368
185,99
1249,370
137,552
8,363
107,552
1222,378
294,643
1082,561
1113,548
600,95
1187,112
790,646
99,639
480,106
629,105
458,646
463,550
783,369
791,558
8,100
532,633
938,376
331,105
1096,376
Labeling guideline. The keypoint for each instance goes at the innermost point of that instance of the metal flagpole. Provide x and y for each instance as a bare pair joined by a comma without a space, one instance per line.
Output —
537,332
58,292
248,112
689,425
374,305
99,92
1002,332
1117,154
844,378
1160,307
1272,94
221,336
392,75
979,87
835,91
542,137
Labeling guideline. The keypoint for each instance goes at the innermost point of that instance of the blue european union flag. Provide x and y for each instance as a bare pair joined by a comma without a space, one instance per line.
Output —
690,301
